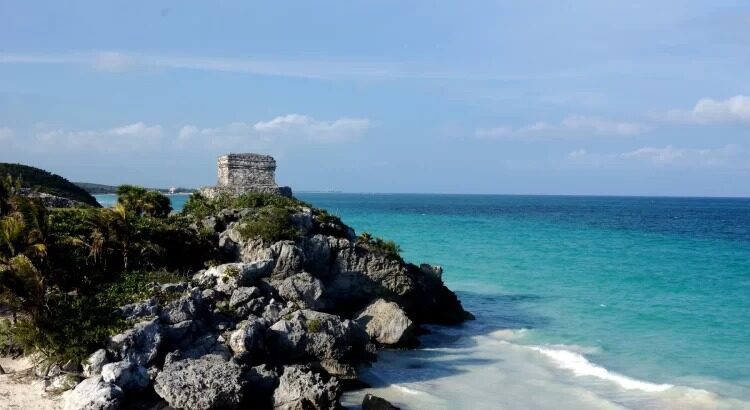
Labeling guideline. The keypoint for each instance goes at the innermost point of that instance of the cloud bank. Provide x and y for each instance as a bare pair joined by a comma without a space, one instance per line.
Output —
708,111
669,155
571,126
277,132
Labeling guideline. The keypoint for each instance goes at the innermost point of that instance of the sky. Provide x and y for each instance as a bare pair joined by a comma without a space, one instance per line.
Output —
601,97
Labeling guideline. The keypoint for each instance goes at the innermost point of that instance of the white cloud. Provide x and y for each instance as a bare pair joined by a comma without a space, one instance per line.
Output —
578,153
571,126
295,127
686,156
708,110
726,156
113,62
276,133
128,137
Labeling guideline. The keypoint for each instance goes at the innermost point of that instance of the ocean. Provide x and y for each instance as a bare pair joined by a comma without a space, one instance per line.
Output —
580,302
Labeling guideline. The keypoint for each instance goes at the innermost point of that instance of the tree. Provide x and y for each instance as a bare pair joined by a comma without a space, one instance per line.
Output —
23,247
143,202
8,188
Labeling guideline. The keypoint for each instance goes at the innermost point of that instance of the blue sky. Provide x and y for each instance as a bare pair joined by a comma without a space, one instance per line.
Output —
534,97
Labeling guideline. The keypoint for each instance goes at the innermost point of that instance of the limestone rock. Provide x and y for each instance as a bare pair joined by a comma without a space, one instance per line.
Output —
242,295
261,382
386,323
275,310
305,290
249,337
371,402
200,384
139,345
128,376
301,389
94,394
289,259
187,307
303,221
93,365
137,310
230,276
317,252
62,383
308,334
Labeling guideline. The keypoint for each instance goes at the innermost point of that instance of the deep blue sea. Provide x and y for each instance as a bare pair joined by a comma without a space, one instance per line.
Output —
581,302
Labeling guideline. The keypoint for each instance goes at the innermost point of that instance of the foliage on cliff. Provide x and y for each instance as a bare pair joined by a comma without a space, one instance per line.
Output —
43,181
198,206
63,272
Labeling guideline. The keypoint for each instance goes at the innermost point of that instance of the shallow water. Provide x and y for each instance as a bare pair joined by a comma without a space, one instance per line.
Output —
581,302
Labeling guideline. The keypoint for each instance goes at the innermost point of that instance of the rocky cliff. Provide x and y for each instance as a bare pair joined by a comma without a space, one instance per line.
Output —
284,323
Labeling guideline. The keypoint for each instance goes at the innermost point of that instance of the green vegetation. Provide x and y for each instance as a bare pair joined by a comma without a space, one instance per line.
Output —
43,181
378,245
200,207
270,224
63,272
142,202
313,325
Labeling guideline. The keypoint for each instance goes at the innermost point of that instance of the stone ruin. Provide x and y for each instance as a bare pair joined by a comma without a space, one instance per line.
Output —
243,173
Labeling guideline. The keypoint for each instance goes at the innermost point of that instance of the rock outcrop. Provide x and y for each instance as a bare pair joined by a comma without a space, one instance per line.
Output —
282,324
302,389
386,323
371,402
202,384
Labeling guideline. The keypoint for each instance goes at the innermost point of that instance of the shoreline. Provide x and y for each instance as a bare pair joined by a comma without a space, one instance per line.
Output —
457,368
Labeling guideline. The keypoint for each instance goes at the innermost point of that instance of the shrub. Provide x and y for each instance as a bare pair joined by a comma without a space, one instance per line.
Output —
142,202
199,207
270,224
313,325
378,245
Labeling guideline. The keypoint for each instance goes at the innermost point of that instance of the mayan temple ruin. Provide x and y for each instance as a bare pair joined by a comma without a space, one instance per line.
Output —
242,173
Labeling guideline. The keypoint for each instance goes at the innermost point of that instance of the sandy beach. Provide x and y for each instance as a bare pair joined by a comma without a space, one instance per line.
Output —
20,390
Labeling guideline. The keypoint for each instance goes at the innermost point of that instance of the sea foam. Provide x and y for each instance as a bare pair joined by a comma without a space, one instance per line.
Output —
580,366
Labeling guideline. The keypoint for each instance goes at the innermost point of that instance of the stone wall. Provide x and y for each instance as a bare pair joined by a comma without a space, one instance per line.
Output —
241,173
246,170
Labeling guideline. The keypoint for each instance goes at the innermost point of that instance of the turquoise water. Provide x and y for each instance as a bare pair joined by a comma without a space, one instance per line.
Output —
601,293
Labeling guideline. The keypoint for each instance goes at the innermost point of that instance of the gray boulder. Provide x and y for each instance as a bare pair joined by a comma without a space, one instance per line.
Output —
93,394
304,290
289,259
205,345
308,334
200,384
371,402
317,252
139,345
303,221
137,310
128,376
249,337
301,389
242,295
62,383
228,277
173,287
275,310
261,382
386,323
187,307
93,365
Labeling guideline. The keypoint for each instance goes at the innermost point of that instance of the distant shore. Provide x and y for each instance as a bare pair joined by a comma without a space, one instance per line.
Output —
112,189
